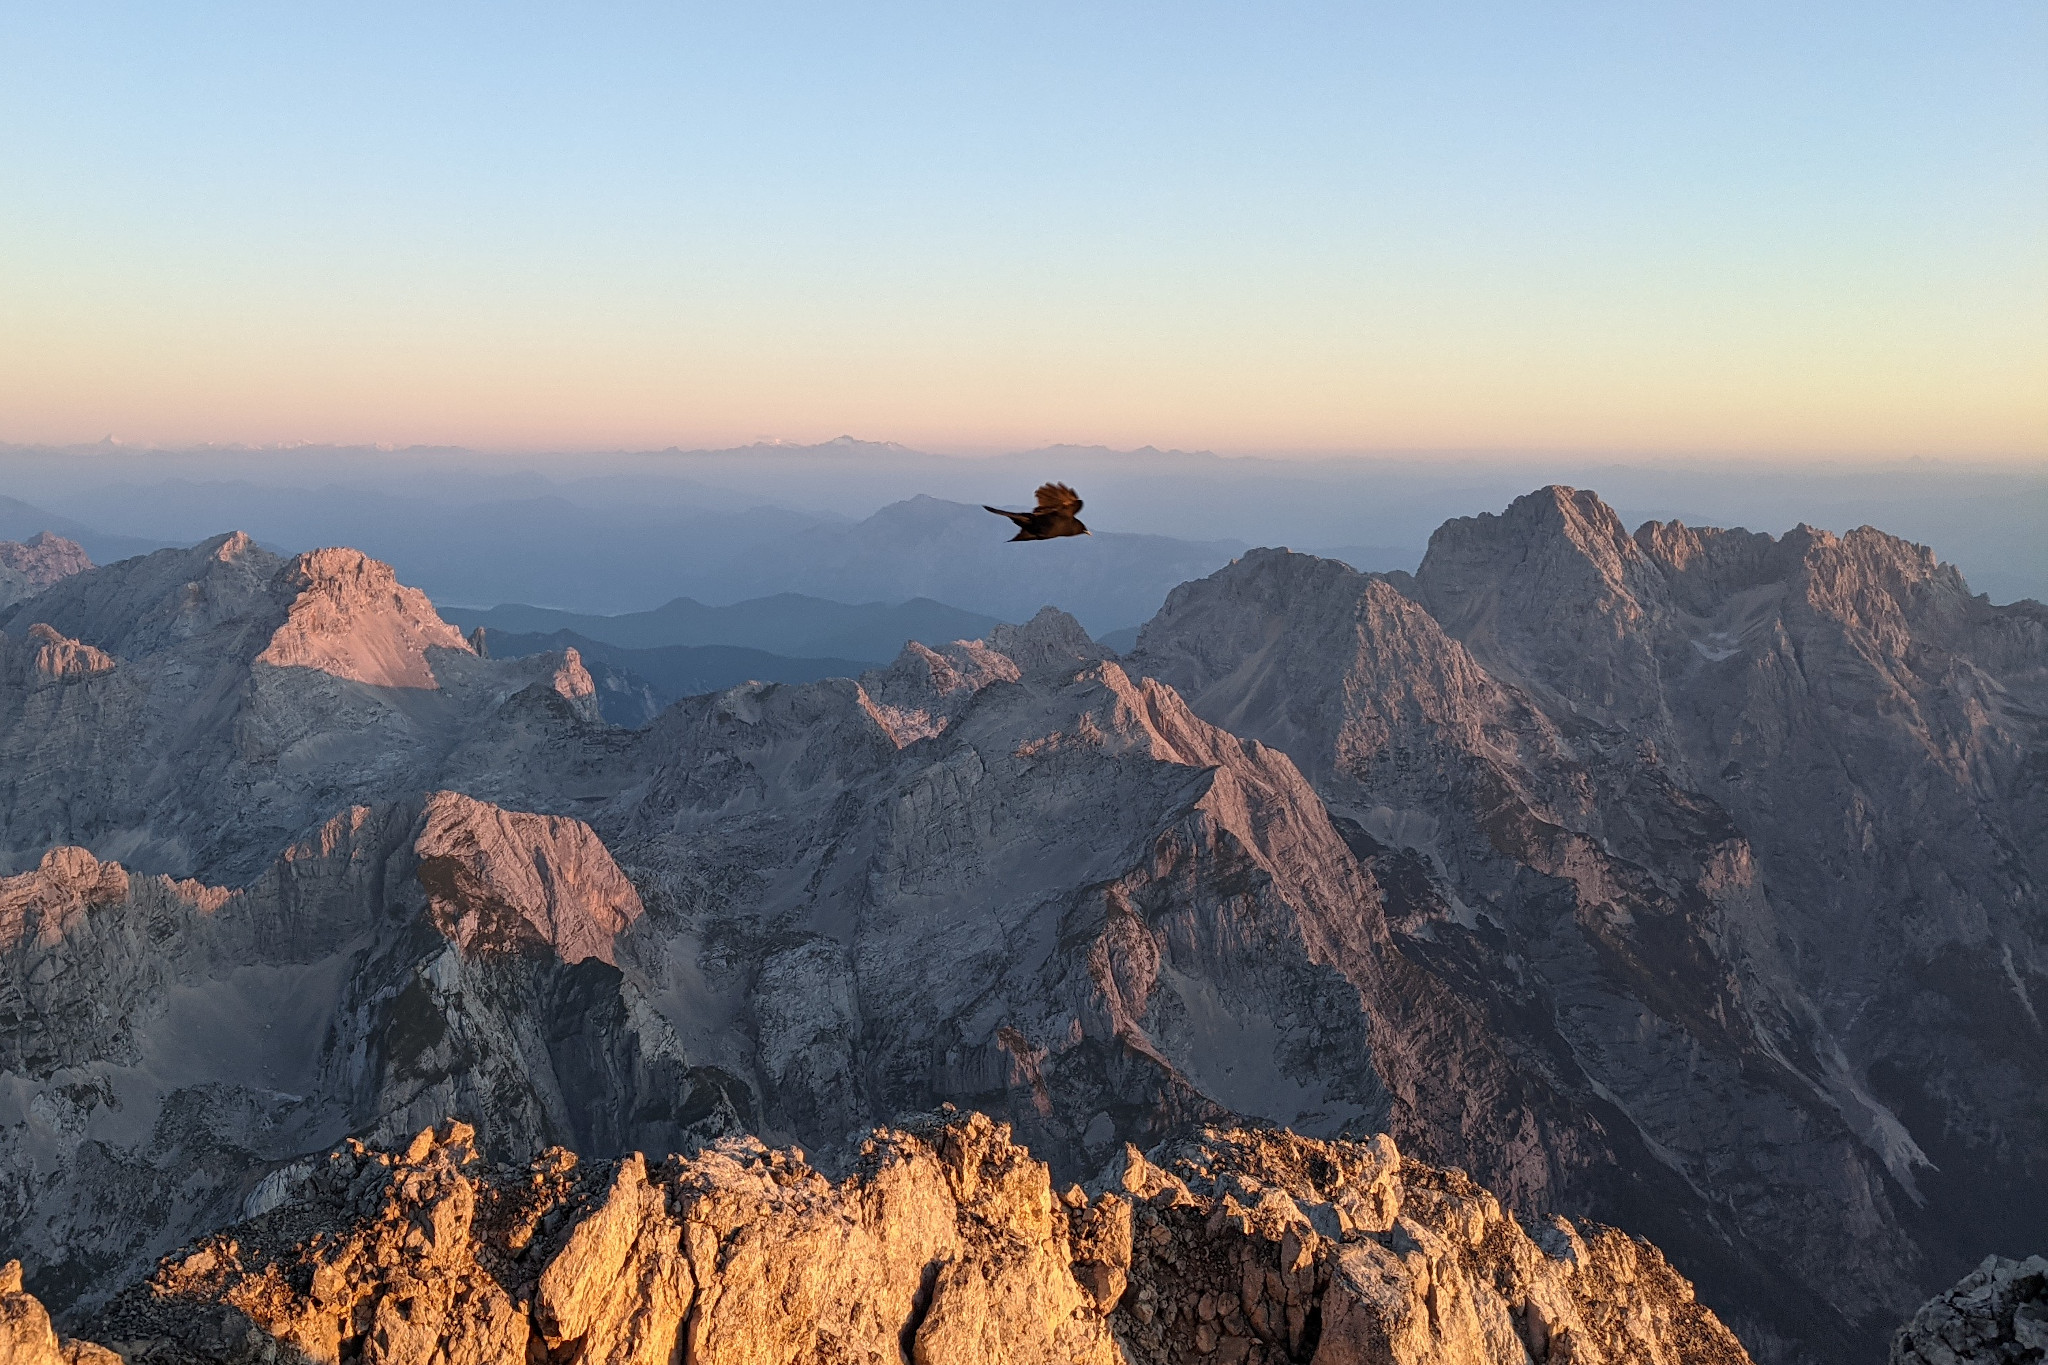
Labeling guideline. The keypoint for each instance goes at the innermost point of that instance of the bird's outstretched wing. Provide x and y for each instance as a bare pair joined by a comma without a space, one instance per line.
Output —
1021,518
1057,497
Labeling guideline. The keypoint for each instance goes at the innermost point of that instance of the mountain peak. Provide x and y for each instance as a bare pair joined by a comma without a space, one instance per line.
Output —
508,881
348,615
44,558
1051,639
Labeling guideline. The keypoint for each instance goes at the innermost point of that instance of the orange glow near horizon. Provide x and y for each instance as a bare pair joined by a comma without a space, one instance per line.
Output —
1733,230
269,381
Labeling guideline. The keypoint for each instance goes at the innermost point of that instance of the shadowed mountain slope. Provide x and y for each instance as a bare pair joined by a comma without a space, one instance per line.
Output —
786,624
1642,787
636,685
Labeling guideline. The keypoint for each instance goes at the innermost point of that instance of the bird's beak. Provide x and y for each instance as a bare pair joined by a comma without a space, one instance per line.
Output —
1087,533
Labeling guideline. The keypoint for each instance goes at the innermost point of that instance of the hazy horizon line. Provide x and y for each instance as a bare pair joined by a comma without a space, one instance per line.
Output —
1623,457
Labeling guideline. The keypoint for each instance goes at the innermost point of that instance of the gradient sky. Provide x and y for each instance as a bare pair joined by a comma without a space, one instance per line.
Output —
1635,227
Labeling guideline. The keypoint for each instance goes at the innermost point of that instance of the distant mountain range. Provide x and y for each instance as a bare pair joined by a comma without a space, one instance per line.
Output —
785,624
20,521
927,547
553,551
636,685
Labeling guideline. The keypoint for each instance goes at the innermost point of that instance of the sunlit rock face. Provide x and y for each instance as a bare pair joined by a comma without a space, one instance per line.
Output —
168,1044
27,1336
29,566
944,1243
346,615
192,712
286,863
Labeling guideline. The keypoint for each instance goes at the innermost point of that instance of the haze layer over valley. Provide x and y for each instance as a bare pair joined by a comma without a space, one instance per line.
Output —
615,533
1680,879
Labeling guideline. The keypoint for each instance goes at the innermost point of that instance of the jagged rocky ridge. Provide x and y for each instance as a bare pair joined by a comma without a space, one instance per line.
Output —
1736,845
945,1244
1996,1315
1308,856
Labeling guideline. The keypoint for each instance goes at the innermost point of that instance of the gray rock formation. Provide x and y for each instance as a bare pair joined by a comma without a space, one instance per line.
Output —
219,703
171,1047
29,566
1998,1313
1731,841
1346,853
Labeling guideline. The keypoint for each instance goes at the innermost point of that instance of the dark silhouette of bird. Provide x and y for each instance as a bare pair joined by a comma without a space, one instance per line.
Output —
1052,518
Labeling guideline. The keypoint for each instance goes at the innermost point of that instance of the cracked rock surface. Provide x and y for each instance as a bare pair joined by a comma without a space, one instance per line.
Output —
945,1244
1996,1315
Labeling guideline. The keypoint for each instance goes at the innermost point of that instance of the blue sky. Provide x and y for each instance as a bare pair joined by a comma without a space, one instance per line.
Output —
1729,227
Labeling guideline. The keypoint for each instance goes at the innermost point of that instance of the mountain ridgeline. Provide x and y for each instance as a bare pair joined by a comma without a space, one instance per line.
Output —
1684,880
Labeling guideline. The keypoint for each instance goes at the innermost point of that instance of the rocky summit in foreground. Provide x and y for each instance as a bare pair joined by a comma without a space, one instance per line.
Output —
946,1244
1684,880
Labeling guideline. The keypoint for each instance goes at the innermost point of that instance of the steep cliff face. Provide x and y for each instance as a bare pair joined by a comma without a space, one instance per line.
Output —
1619,822
944,1244
1063,898
1878,735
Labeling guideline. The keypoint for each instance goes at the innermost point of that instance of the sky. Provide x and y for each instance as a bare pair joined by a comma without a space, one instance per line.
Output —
1748,229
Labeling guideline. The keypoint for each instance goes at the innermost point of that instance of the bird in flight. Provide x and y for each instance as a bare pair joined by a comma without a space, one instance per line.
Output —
1052,518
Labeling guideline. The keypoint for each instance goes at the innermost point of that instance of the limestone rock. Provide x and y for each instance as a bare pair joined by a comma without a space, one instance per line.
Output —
1666,793
945,1244
497,880
1505,860
348,616
58,658
1996,1313
26,1337
29,566
618,1289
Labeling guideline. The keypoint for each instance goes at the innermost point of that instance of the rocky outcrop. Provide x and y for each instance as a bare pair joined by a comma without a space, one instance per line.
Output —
502,881
347,615
44,558
944,1244
60,659
1262,1245
26,1337
1998,1313
29,566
